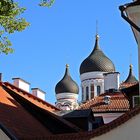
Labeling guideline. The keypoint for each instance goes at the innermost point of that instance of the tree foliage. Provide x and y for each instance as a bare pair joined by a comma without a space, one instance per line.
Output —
11,21
46,3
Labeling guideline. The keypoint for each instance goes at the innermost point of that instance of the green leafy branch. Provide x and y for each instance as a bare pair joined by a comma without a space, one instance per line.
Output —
46,3
11,22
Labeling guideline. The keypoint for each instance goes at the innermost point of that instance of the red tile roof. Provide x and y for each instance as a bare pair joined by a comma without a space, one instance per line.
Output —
28,117
126,85
118,103
35,100
22,124
17,120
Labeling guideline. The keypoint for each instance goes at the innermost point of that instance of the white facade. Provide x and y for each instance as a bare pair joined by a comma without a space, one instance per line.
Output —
108,117
129,130
67,101
92,84
38,93
111,81
3,136
22,84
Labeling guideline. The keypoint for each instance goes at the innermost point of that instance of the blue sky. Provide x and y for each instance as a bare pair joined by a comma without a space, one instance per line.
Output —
65,33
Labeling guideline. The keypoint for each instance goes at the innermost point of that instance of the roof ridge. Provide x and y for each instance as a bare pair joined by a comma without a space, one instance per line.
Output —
7,84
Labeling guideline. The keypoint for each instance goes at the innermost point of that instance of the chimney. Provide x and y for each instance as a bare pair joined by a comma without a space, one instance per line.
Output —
107,99
1,77
22,84
38,93
111,81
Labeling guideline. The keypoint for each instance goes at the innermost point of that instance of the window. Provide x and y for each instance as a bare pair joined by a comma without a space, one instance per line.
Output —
98,90
92,90
136,101
89,126
87,93
82,93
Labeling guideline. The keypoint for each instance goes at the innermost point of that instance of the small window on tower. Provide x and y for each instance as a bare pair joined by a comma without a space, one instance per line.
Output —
92,90
98,90
82,93
87,93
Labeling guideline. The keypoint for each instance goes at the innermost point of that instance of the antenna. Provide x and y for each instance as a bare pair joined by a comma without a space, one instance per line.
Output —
130,58
96,27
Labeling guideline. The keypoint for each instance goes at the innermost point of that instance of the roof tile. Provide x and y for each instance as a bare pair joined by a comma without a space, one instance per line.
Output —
118,102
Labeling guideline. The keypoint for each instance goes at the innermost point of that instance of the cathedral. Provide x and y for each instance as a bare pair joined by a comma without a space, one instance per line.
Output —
98,76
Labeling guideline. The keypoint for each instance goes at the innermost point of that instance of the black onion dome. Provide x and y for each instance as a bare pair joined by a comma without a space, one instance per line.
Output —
66,84
131,78
97,61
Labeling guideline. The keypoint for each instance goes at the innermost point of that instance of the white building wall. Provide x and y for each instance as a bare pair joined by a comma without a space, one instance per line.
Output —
67,101
3,136
87,79
129,130
108,117
111,81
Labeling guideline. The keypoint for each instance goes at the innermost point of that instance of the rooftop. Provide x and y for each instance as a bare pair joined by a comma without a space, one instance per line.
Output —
118,103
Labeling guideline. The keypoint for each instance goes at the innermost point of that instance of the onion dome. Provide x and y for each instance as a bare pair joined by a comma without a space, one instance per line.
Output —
97,61
131,78
67,84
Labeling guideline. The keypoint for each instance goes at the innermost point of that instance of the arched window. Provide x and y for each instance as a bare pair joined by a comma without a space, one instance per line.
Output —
92,90
87,93
82,93
98,90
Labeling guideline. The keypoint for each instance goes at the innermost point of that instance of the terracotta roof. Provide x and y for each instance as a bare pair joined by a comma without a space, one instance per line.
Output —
126,85
35,100
24,118
118,103
17,120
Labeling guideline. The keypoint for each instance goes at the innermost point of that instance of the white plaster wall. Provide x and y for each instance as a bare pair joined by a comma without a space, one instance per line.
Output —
129,130
3,136
95,78
67,101
108,117
92,75
66,96
111,81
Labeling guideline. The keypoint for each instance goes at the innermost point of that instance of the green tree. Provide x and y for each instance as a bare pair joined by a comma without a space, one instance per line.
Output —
46,3
11,21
